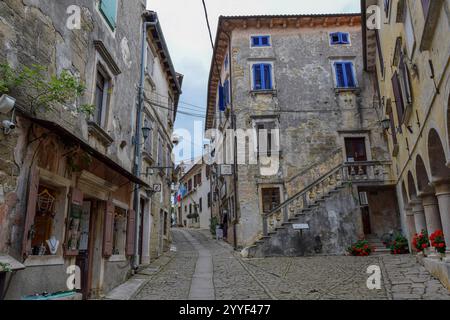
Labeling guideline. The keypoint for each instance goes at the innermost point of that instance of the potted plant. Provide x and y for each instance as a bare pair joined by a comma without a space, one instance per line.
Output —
438,242
399,245
360,249
421,242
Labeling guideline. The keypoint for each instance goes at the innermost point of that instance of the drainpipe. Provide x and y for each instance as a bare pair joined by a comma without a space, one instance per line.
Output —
148,21
233,126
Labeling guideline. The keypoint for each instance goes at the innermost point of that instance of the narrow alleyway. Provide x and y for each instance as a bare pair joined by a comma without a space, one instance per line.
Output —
203,268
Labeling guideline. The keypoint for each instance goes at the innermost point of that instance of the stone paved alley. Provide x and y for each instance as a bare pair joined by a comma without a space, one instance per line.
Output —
185,274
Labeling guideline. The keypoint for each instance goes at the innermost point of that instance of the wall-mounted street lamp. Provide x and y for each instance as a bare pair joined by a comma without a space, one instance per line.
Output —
146,132
386,124
7,103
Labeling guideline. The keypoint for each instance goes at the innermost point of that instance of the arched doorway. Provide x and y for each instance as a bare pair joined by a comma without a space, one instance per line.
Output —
436,154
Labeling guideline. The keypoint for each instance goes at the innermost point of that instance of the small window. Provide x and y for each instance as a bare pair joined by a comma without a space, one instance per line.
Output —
209,199
262,76
200,204
261,41
340,38
270,199
108,8
345,77
102,88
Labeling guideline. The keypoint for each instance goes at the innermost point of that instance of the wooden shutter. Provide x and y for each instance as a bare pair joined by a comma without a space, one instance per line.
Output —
108,229
351,83
76,204
380,51
109,10
345,38
131,232
398,98
339,68
33,188
267,77
257,79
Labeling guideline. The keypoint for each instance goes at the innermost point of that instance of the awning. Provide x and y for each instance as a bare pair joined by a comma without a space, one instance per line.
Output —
65,134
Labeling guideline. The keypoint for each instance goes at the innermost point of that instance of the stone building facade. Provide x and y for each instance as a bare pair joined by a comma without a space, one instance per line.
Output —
195,179
302,79
410,55
67,176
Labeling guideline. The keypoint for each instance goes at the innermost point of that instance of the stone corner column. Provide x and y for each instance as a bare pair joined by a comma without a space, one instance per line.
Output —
419,215
411,225
442,188
431,209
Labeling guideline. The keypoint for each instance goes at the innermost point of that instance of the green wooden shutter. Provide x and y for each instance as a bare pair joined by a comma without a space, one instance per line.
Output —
109,10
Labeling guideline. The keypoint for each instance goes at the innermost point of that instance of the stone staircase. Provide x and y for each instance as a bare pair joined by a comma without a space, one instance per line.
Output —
375,242
326,205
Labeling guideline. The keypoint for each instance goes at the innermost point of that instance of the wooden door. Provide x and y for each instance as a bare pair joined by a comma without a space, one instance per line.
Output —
366,220
83,257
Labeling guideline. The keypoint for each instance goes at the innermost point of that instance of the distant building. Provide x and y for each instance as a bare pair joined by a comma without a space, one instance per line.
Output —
194,209
297,85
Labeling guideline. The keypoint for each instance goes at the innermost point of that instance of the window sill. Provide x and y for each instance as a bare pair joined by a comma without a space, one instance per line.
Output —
355,90
117,258
100,133
36,261
263,92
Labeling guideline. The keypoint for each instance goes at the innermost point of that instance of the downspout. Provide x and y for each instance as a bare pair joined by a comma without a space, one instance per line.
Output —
137,138
233,126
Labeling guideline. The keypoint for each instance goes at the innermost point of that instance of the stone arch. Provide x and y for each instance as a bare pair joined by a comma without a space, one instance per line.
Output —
405,195
412,191
437,157
422,176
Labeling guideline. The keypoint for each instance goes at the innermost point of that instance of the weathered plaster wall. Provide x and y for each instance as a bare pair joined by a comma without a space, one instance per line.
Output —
337,221
313,117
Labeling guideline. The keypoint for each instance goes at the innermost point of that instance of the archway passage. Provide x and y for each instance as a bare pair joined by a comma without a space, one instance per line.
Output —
423,182
436,154
411,187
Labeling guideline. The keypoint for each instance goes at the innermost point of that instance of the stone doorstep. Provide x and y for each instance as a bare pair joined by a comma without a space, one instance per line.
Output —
127,290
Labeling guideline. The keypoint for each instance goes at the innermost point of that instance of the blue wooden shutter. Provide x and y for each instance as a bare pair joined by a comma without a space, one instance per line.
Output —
344,38
109,10
255,41
265,41
267,77
339,68
257,79
221,99
349,76
334,38
226,94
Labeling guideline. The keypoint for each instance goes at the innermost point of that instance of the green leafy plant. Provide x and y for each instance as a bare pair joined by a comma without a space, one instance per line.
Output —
5,267
39,91
213,224
360,249
399,245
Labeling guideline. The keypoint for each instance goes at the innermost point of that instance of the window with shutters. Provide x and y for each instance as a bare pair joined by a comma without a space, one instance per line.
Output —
262,76
425,7
226,92
148,143
409,33
380,53
405,81
400,107
260,41
209,199
119,231
200,204
267,137
160,158
387,8
339,38
270,199
108,8
345,74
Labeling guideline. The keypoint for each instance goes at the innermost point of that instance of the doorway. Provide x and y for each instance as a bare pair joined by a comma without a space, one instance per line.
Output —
366,220
83,259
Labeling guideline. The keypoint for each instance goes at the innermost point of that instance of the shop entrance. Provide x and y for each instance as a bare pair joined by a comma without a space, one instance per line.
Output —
84,259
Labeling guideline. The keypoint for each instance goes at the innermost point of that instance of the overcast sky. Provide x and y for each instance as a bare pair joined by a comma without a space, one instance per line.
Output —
186,34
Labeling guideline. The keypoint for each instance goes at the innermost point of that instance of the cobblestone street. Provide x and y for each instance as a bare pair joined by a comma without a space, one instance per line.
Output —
336,277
